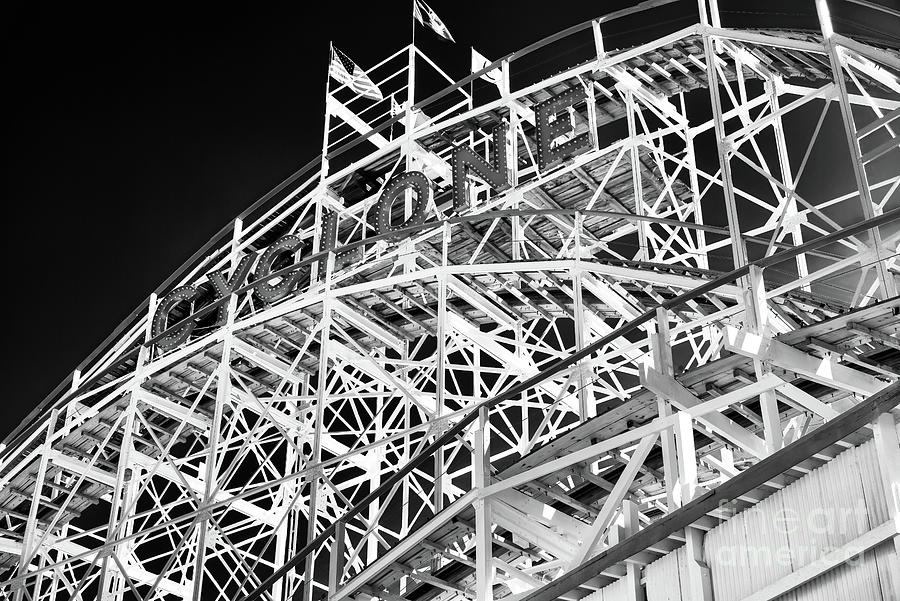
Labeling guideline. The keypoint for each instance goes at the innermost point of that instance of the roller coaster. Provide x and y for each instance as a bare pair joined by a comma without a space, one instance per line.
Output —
550,336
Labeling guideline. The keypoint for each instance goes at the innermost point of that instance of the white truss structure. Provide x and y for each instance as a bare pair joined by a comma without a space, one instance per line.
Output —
558,366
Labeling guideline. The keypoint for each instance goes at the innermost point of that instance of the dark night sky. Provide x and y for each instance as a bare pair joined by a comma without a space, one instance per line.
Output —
132,137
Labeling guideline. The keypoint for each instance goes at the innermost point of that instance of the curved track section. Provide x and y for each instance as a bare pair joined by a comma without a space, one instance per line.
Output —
474,390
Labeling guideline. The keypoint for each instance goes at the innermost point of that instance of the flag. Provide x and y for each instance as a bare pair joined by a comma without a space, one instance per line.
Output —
347,72
479,62
433,20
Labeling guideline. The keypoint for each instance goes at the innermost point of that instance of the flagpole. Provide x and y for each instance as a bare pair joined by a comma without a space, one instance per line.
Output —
412,59
409,117
323,173
331,57
472,82
411,82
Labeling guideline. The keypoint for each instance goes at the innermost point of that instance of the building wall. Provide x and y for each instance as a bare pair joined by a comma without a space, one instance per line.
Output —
666,578
819,513
617,591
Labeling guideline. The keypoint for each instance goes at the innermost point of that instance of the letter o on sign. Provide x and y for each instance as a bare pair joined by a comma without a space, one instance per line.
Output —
412,180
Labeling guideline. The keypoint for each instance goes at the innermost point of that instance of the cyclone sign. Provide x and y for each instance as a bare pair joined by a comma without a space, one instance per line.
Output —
556,143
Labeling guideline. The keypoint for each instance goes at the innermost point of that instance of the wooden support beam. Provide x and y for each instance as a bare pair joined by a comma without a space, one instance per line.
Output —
403,312
378,318
662,362
683,399
560,495
876,335
381,594
477,301
395,553
538,534
366,325
434,581
852,357
71,464
757,321
494,297
444,552
481,471
824,371
535,510
614,500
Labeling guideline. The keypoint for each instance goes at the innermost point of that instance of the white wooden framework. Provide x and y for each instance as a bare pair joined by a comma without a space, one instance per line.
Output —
479,406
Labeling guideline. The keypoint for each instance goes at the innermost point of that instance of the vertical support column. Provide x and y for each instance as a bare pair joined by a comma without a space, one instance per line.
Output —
598,39
317,238
121,502
757,314
481,466
690,158
336,563
635,591
687,457
887,447
888,285
712,17
592,115
636,180
711,333
518,234
699,582
504,82
126,527
662,362
790,208
315,480
519,334
411,449
404,484
223,396
699,578
738,245
223,390
111,585
586,406
286,536
441,366
31,536
378,454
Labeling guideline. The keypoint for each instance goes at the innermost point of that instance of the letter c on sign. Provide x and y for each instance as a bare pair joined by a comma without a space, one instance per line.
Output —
172,339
